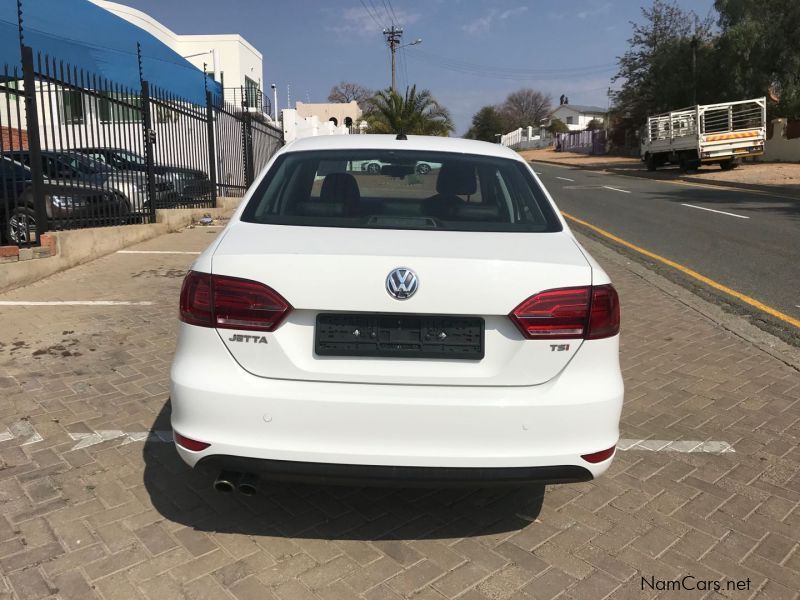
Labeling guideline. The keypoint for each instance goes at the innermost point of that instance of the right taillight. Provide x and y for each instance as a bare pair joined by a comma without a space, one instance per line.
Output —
231,303
588,312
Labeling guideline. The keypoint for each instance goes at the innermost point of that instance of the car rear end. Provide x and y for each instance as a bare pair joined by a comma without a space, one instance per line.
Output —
442,327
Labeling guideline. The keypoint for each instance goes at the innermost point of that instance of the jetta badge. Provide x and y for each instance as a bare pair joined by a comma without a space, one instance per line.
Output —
402,283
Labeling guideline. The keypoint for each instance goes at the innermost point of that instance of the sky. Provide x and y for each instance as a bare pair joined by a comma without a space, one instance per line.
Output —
473,53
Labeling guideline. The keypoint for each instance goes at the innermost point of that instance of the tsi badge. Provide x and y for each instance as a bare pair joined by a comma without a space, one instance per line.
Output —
402,283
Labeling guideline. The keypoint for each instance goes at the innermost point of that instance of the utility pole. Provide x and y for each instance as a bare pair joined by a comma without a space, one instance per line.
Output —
694,70
393,36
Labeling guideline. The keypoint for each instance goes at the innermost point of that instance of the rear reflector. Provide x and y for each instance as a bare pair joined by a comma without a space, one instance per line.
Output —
598,457
185,442
231,303
569,313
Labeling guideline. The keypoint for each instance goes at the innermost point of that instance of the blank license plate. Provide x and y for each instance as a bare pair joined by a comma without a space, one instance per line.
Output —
406,336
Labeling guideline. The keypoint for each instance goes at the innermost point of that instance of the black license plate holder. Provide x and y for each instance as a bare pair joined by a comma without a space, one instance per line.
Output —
399,336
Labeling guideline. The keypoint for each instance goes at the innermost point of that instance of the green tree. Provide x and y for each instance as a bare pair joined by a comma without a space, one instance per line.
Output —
486,123
594,124
759,52
656,70
414,113
557,126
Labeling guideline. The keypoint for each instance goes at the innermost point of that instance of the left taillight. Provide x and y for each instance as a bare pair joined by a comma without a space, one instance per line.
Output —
231,303
587,312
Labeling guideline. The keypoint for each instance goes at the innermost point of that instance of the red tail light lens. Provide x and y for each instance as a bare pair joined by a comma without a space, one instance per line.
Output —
604,319
569,313
231,303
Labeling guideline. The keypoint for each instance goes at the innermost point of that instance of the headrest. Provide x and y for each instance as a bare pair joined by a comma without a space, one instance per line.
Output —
457,179
339,187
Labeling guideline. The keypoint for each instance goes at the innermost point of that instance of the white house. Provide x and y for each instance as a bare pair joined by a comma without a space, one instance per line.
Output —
229,58
577,116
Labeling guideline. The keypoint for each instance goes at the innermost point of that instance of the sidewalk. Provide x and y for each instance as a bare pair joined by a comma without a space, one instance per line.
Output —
776,178
96,504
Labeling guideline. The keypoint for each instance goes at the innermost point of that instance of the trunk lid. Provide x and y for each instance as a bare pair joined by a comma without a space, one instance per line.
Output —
330,269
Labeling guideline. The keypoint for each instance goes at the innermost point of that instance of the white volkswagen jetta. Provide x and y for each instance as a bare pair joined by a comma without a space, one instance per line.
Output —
402,326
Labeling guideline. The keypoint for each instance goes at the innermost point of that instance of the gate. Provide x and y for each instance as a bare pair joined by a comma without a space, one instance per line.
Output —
77,150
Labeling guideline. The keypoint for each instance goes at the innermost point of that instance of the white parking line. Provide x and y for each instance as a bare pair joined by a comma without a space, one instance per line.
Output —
709,447
608,187
722,212
564,178
624,445
74,303
154,252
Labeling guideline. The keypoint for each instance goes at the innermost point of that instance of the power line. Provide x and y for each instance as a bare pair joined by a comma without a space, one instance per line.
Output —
464,66
371,16
393,13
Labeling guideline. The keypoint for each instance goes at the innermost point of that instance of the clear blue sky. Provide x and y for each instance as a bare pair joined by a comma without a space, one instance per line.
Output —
557,46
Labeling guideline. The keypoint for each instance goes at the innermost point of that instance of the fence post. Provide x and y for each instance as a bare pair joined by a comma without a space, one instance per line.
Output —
249,174
149,141
34,142
212,152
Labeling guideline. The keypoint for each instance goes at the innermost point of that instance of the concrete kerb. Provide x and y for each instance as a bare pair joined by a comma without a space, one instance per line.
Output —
764,189
79,246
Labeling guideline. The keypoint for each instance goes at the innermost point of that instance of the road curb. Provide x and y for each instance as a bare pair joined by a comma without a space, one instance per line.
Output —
644,175
736,324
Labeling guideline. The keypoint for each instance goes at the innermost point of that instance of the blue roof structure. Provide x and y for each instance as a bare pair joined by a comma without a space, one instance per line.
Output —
88,37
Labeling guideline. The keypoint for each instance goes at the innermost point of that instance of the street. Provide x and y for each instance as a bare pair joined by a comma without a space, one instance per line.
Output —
748,241
96,503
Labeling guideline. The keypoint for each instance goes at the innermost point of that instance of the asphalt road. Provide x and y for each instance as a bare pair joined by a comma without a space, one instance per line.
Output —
745,240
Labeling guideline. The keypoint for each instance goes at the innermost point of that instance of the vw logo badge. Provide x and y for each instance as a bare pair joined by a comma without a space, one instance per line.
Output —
402,283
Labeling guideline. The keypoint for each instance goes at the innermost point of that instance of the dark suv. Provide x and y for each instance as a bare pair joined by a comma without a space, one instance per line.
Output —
189,184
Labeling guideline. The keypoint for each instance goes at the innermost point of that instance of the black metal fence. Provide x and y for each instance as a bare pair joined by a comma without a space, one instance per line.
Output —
77,150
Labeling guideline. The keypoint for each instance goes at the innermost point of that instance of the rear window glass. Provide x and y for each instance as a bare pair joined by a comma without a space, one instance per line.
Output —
401,190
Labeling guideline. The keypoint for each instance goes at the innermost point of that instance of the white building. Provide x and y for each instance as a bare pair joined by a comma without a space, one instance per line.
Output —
577,116
229,58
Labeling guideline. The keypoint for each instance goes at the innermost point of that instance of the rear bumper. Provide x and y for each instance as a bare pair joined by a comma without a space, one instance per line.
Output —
376,475
286,427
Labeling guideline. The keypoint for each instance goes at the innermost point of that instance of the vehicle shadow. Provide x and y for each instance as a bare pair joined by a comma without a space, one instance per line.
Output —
329,512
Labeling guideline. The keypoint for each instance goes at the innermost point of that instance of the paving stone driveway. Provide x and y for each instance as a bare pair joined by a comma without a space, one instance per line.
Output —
125,519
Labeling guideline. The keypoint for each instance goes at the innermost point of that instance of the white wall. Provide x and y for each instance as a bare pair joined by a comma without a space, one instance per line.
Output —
295,126
778,147
233,55
580,120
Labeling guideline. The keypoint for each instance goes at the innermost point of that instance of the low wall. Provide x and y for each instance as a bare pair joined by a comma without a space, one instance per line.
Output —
779,147
79,246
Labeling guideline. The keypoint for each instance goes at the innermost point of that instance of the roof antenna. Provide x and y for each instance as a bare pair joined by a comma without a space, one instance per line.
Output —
401,136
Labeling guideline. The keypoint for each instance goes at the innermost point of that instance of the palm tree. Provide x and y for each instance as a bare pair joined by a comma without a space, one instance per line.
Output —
415,113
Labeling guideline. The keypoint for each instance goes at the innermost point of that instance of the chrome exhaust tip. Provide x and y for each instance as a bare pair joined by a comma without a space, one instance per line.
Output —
247,484
226,481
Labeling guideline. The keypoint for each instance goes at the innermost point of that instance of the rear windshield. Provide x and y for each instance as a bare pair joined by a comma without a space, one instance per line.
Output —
401,190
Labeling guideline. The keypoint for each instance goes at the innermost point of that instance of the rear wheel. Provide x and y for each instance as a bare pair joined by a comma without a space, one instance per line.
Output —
423,168
688,164
727,165
373,168
21,226
650,161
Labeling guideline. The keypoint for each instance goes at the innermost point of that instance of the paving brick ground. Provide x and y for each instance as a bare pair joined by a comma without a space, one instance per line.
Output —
125,519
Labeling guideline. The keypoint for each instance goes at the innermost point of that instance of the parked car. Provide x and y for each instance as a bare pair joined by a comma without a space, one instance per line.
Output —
65,204
372,330
77,168
374,166
189,184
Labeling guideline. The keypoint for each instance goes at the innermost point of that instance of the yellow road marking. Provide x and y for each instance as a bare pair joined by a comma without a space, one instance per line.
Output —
690,272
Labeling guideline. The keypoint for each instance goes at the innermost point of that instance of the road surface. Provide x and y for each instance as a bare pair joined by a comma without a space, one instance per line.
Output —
745,240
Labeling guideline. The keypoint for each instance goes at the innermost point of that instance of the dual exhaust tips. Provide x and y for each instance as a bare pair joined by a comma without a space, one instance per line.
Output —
228,481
